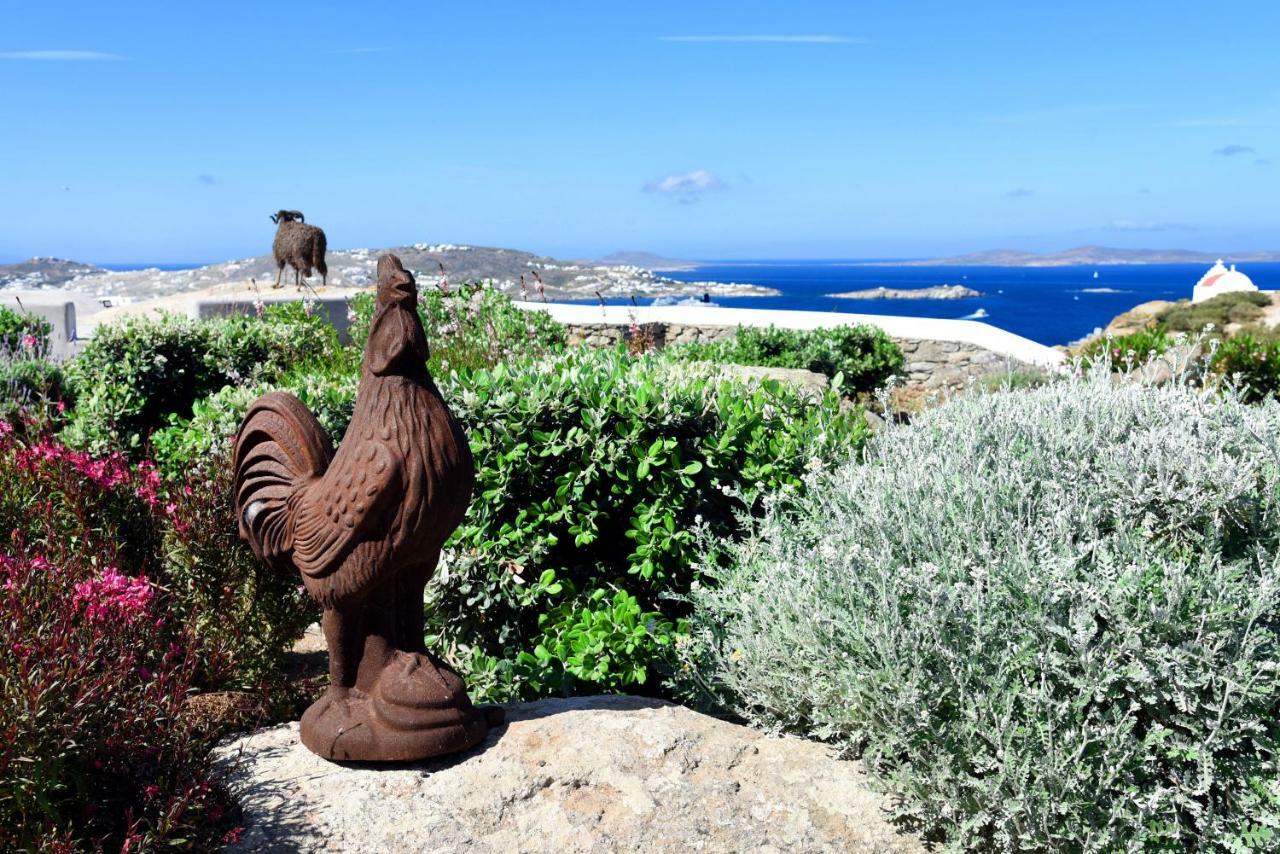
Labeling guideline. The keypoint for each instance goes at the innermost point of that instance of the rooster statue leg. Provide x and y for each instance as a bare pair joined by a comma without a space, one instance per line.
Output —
342,636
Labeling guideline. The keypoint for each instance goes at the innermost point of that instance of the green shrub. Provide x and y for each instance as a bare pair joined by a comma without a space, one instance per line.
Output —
1125,352
243,617
863,354
132,376
1049,620
207,434
1250,364
1015,379
32,391
20,331
593,470
1241,307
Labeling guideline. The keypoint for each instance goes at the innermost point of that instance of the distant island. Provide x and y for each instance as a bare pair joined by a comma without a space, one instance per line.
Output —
935,292
649,261
1081,256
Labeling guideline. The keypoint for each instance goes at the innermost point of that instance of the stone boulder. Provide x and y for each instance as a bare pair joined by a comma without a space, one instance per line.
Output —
1138,318
809,383
584,774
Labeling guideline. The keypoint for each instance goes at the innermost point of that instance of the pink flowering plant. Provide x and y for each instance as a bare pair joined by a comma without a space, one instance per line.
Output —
122,595
472,325
94,675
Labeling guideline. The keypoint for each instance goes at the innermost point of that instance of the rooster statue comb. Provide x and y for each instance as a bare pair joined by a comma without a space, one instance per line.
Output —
364,527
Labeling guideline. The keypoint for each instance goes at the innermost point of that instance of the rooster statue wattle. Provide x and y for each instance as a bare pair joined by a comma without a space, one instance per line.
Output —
364,527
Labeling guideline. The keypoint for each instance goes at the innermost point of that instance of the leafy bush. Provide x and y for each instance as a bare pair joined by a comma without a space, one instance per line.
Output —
21,331
471,326
1241,307
207,434
1253,366
1016,379
1048,619
593,472
131,376
863,354
1124,352
32,391
244,617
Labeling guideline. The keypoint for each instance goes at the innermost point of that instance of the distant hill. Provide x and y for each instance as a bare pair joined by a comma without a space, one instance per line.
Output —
43,272
1085,256
648,260
355,268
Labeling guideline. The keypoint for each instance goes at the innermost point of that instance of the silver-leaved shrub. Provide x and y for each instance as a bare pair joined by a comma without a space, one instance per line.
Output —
1047,619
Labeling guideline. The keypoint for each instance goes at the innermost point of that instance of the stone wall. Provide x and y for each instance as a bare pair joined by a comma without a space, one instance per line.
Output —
929,364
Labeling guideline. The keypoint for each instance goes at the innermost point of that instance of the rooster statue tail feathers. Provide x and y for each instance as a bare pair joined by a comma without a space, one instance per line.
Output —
281,447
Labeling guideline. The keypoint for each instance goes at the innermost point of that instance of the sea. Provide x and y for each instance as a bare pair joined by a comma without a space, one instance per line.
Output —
1051,305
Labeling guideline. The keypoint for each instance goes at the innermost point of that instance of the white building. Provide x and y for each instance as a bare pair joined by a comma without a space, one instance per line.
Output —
1219,280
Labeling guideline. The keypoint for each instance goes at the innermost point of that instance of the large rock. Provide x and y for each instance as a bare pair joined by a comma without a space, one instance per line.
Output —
586,774
1138,318
809,383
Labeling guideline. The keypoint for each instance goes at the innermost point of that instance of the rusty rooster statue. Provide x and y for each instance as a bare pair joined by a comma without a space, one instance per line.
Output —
364,527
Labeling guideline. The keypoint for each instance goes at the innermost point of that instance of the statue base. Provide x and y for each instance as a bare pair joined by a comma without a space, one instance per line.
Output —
417,708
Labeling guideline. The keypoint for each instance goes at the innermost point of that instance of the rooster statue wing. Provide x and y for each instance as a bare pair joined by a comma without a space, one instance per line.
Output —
364,528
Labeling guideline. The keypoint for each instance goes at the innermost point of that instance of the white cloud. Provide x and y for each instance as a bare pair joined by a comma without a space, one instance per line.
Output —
61,55
767,39
687,187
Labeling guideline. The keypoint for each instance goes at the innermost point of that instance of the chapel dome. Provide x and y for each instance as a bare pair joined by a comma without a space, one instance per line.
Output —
1220,280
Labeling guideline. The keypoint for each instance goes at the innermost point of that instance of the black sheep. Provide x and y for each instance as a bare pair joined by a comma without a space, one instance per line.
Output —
300,245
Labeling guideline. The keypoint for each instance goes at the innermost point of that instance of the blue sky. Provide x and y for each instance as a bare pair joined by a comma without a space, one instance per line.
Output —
167,132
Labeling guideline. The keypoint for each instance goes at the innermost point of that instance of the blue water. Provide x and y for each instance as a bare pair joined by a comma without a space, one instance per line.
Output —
1046,304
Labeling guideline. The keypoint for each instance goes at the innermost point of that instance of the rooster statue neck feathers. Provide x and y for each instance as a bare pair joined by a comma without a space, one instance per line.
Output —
364,527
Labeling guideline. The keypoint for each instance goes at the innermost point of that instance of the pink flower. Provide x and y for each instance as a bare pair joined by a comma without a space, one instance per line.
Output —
30,341
61,406
112,595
